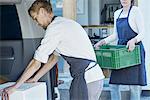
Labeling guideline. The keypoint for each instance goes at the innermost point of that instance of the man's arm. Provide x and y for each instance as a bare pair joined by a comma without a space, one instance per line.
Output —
33,66
48,66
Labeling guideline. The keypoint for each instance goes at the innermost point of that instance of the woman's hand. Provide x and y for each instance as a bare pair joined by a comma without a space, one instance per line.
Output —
131,44
100,43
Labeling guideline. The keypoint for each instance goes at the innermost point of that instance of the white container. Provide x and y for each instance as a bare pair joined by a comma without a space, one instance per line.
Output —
57,92
28,91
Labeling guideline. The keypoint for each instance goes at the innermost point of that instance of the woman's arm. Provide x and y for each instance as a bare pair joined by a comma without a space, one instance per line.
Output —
139,26
113,36
110,38
139,20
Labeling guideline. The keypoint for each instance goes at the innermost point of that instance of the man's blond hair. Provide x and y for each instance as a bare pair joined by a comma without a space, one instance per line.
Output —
35,7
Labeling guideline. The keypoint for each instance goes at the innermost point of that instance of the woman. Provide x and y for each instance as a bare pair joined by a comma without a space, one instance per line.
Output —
129,30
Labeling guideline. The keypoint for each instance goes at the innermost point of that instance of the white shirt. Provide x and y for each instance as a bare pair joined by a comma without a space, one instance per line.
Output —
68,38
136,22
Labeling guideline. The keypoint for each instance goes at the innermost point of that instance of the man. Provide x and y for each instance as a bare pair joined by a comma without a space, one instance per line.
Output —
66,38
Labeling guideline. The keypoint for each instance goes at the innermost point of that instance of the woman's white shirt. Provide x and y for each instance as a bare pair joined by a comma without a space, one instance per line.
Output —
136,23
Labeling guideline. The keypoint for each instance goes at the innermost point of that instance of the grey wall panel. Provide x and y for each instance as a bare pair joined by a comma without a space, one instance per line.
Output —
23,53
17,66
10,1
29,28
29,47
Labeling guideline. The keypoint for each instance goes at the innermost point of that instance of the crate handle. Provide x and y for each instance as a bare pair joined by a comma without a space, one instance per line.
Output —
107,54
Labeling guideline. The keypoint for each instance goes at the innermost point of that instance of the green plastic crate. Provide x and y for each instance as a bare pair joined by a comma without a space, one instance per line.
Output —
117,57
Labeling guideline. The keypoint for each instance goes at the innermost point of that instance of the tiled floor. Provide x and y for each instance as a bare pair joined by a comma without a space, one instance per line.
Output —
106,96
145,98
64,93
64,90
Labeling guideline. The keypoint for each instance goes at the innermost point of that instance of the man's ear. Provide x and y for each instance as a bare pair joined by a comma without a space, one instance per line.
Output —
42,11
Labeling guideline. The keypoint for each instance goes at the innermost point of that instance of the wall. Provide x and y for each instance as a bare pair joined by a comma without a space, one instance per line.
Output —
93,12
144,6
82,12
69,9
29,28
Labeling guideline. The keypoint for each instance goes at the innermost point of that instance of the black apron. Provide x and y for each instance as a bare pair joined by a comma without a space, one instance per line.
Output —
78,89
134,75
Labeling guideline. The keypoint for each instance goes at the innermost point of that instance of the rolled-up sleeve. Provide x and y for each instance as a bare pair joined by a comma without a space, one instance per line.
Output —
48,44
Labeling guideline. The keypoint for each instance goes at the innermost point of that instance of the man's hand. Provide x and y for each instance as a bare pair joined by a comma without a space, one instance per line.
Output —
131,44
100,43
32,80
9,90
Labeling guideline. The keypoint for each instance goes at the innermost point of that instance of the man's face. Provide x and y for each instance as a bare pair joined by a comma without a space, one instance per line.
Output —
41,18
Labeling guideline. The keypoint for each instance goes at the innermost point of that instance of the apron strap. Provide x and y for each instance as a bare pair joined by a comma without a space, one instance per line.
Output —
91,66
120,13
128,12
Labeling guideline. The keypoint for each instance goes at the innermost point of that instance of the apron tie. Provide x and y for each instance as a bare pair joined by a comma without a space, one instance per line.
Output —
78,89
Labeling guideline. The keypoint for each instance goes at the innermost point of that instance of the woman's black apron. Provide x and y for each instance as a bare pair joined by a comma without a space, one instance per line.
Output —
134,75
